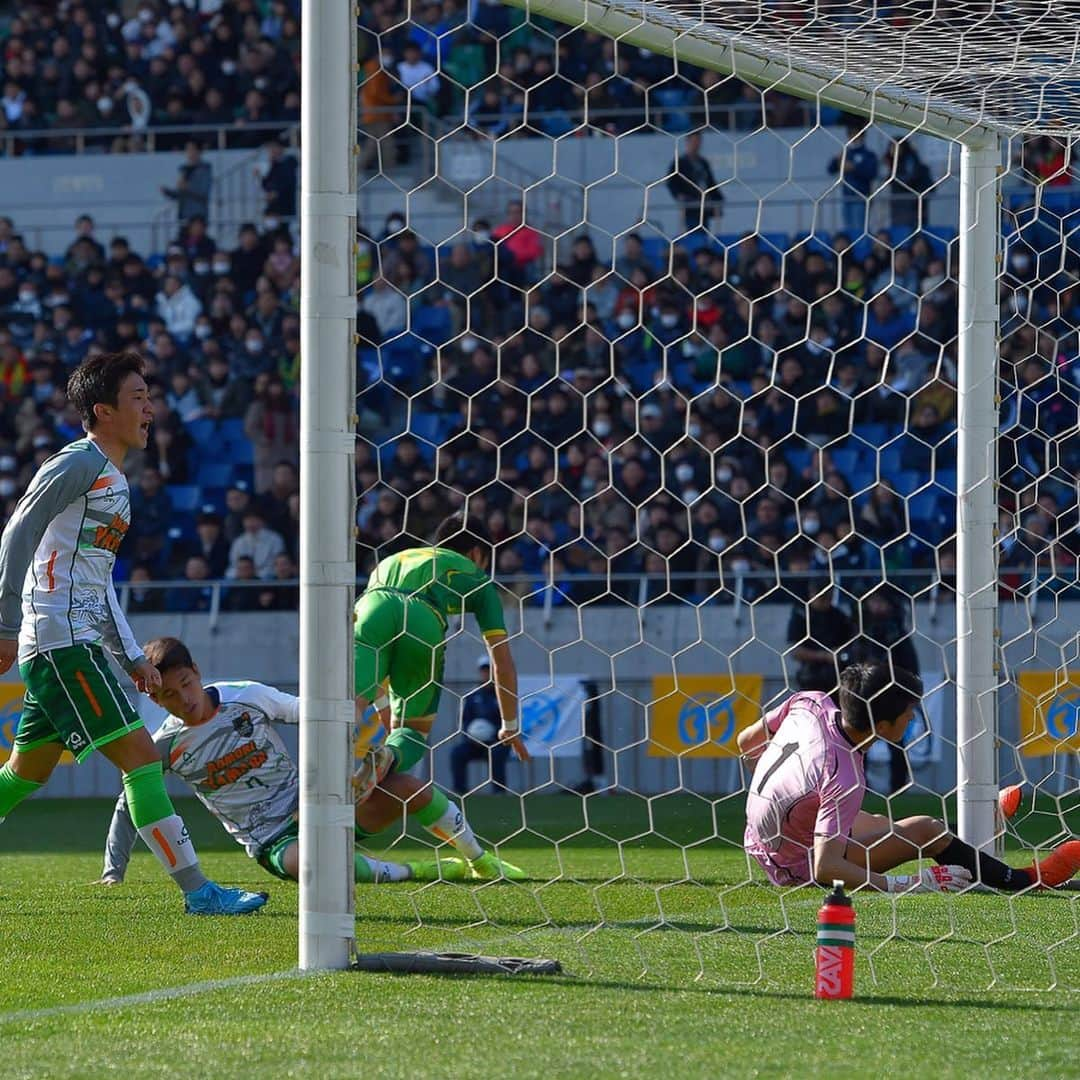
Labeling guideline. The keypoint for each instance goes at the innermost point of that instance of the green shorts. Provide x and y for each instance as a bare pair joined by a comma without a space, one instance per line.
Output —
72,697
272,854
399,638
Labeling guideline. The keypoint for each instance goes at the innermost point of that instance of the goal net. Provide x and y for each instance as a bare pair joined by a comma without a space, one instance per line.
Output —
695,307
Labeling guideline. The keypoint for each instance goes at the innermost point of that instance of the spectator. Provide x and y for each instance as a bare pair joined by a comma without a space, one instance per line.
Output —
152,516
241,596
237,500
693,186
192,191
421,83
198,596
281,597
261,544
210,542
179,307
520,247
857,168
271,425
887,638
279,182
822,636
140,599
479,738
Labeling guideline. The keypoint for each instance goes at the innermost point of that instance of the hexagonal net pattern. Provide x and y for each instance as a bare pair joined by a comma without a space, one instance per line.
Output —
686,351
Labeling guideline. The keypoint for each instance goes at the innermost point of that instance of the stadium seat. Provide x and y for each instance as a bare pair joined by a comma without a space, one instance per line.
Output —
215,474
185,498
202,433
432,324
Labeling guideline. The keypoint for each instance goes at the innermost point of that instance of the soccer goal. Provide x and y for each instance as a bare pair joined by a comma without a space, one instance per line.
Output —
750,331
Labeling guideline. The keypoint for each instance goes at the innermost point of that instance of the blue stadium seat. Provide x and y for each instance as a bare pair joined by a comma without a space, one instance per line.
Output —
923,505
845,459
946,478
202,433
185,498
874,434
904,482
432,324
215,474
431,427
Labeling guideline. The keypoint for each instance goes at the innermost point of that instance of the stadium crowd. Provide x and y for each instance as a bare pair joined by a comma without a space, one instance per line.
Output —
700,419
81,66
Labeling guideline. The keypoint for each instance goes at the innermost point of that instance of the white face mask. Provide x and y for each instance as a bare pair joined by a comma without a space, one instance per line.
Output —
626,319
468,345
717,543
669,320
723,475
481,236
27,297
684,472
689,349
601,429
7,488
740,566
811,526
694,431
690,495
8,463
202,331
221,268
253,346
395,225
201,267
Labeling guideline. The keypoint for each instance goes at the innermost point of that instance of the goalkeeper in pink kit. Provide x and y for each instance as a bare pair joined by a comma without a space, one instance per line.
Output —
804,816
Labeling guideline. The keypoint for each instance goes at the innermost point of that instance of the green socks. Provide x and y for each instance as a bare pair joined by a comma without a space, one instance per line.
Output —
408,745
445,821
163,831
147,799
13,789
434,809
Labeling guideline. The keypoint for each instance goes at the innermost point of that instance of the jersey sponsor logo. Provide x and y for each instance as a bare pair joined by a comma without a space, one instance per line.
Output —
243,725
230,767
110,537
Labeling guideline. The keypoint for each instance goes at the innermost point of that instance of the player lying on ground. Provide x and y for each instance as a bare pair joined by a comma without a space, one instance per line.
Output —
804,816
58,551
221,741
398,638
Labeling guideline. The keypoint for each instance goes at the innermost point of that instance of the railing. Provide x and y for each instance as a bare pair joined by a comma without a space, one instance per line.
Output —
97,139
733,590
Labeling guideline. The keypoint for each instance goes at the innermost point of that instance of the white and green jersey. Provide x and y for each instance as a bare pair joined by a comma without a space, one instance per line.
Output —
235,762
57,555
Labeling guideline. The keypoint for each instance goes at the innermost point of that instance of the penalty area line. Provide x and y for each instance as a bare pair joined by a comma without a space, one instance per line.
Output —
151,997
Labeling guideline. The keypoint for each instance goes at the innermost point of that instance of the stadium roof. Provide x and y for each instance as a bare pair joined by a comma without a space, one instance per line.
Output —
963,69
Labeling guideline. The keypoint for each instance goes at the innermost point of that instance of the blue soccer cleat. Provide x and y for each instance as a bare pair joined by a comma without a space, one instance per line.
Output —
213,899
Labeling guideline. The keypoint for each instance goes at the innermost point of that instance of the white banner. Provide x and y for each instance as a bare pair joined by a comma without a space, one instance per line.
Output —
922,741
552,714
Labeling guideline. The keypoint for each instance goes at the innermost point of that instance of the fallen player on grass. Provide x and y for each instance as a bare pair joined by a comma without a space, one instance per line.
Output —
220,739
804,816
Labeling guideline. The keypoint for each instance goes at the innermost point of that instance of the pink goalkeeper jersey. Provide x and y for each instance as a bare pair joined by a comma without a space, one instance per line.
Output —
809,782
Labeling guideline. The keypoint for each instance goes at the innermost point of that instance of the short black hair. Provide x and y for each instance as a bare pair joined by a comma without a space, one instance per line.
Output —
462,534
167,654
875,693
96,381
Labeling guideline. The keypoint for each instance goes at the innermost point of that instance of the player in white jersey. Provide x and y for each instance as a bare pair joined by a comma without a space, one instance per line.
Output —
58,612
220,739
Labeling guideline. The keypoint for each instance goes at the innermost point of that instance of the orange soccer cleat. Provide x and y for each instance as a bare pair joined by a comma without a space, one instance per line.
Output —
1058,867
1009,800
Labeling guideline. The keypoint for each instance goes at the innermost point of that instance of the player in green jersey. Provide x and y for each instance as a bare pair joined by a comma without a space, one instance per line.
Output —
399,640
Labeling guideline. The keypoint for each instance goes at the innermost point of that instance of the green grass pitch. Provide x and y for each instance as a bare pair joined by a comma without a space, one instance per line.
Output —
674,960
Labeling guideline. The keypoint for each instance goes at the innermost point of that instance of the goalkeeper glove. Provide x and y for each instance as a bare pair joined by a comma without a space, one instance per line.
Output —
932,879
373,768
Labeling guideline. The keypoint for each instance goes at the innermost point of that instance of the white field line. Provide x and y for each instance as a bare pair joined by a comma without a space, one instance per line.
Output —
150,997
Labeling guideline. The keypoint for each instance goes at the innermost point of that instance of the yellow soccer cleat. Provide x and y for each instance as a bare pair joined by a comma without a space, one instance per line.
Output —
489,867
438,870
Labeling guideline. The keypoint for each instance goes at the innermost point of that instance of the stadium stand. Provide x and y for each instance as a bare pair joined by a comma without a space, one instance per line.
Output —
692,458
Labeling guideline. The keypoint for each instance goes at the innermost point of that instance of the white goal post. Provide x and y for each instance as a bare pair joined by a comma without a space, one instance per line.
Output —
327,438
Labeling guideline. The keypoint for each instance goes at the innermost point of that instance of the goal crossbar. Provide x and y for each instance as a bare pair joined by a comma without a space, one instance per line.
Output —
954,80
